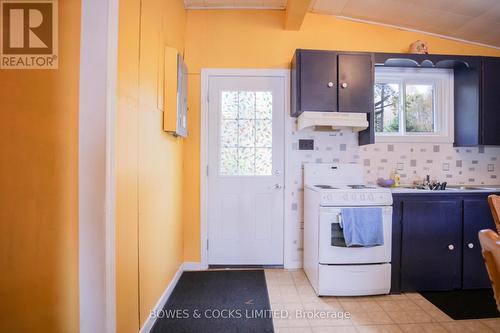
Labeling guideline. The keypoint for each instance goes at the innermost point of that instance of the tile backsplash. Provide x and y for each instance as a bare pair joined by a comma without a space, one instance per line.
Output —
413,161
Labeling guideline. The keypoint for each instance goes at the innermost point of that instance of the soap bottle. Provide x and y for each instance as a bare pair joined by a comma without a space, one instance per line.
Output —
396,178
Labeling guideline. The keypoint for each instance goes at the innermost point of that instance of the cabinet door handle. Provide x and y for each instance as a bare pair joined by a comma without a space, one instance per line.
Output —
470,246
451,247
344,85
330,84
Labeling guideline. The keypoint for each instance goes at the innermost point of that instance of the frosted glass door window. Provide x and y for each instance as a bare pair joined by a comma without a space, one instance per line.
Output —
246,133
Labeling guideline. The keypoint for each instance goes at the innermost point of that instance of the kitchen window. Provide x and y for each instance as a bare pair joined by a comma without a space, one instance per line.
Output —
413,105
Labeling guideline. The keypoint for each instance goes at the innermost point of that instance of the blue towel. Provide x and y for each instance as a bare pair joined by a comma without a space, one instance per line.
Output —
363,226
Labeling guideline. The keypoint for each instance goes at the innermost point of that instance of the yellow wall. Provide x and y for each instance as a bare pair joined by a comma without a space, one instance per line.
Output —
127,275
252,38
149,161
39,190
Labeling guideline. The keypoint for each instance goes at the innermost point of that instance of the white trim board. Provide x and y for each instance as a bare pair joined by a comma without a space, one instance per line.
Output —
96,198
287,228
187,266
111,85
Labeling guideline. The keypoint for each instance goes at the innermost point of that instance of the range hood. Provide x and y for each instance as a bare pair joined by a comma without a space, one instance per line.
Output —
333,120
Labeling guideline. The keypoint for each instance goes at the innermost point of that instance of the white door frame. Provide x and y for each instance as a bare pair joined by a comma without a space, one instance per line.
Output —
96,165
205,75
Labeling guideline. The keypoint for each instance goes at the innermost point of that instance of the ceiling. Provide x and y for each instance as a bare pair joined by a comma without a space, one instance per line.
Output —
266,4
472,20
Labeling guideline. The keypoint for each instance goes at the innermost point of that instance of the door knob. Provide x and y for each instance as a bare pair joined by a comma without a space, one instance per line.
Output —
330,84
470,246
277,186
451,247
344,85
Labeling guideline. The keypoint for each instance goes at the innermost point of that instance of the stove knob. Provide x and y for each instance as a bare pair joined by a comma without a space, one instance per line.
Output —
362,197
345,197
370,197
353,197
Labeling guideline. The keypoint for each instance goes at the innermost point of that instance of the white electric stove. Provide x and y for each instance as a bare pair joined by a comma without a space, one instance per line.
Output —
333,268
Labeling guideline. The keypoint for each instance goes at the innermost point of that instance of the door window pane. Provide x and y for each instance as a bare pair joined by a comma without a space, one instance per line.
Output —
263,133
246,104
229,161
246,133
229,103
246,161
387,99
419,109
263,161
263,105
229,133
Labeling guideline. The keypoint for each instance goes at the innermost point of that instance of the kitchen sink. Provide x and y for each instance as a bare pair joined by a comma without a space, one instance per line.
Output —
455,188
472,188
468,188
422,189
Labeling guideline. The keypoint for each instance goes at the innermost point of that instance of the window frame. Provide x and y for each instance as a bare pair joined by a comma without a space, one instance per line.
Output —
442,81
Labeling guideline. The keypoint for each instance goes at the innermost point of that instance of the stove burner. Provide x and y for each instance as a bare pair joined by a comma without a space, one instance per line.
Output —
358,187
325,187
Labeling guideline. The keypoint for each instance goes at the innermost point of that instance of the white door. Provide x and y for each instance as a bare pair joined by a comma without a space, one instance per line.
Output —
245,170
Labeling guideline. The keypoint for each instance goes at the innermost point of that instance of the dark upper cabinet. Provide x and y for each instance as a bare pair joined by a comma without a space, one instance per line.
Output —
466,94
329,81
477,103
476,216
355,83
318,80
490,103
431,244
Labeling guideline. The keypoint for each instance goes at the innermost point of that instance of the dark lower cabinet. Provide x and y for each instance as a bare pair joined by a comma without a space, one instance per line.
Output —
397,210
435,243
431,245
477,216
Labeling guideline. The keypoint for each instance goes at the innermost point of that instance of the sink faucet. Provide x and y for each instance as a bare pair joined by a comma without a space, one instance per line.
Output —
434,186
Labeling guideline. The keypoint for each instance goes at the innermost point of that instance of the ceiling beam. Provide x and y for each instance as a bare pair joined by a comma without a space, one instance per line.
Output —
296,11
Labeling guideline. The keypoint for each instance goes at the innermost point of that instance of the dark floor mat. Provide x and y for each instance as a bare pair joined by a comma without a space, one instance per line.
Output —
217,301
464,304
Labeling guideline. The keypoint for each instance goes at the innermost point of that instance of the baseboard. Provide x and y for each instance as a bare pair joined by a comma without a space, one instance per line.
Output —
187,266
293,265
192,266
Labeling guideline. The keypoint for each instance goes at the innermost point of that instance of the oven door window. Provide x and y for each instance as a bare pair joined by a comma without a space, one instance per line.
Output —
337,236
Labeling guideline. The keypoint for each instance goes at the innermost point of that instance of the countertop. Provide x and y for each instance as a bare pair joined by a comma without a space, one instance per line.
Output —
469,189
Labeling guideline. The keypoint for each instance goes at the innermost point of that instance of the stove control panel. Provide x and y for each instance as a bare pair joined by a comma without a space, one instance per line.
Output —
357,198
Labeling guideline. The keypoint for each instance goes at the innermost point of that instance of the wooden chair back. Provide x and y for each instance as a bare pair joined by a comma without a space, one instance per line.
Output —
490,245
494,202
